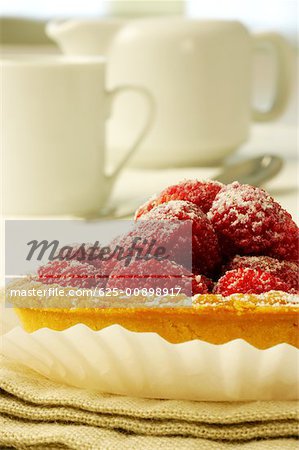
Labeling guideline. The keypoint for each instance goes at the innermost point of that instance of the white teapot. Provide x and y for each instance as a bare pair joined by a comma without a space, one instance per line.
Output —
200,74
84,37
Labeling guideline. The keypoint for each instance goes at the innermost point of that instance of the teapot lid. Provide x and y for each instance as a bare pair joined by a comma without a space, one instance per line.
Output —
137,8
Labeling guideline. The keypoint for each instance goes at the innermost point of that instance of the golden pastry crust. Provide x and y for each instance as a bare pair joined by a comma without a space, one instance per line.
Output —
262,320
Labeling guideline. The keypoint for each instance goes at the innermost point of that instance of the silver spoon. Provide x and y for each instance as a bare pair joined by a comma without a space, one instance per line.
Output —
254,171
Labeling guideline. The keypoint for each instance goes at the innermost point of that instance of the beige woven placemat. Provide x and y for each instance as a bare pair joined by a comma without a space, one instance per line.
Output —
38,413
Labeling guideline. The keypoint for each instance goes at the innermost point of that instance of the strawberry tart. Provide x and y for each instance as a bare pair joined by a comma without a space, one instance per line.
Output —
243,282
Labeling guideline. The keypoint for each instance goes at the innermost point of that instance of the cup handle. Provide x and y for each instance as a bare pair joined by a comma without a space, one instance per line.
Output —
283,56
148,123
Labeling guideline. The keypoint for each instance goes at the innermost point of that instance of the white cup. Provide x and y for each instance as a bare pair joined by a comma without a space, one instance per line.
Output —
54,110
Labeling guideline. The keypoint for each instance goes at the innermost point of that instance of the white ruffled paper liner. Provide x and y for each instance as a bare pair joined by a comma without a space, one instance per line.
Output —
117,361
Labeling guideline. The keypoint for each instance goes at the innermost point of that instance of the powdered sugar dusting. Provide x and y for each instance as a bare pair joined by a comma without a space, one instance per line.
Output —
276,299
173,209
200,193
240,199
248,220
287,271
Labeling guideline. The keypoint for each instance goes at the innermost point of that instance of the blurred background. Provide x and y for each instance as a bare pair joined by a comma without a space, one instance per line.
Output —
23,24
280,15
23,30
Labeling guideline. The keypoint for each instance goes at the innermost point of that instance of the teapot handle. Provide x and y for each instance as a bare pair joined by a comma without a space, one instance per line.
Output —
282,54
112,94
